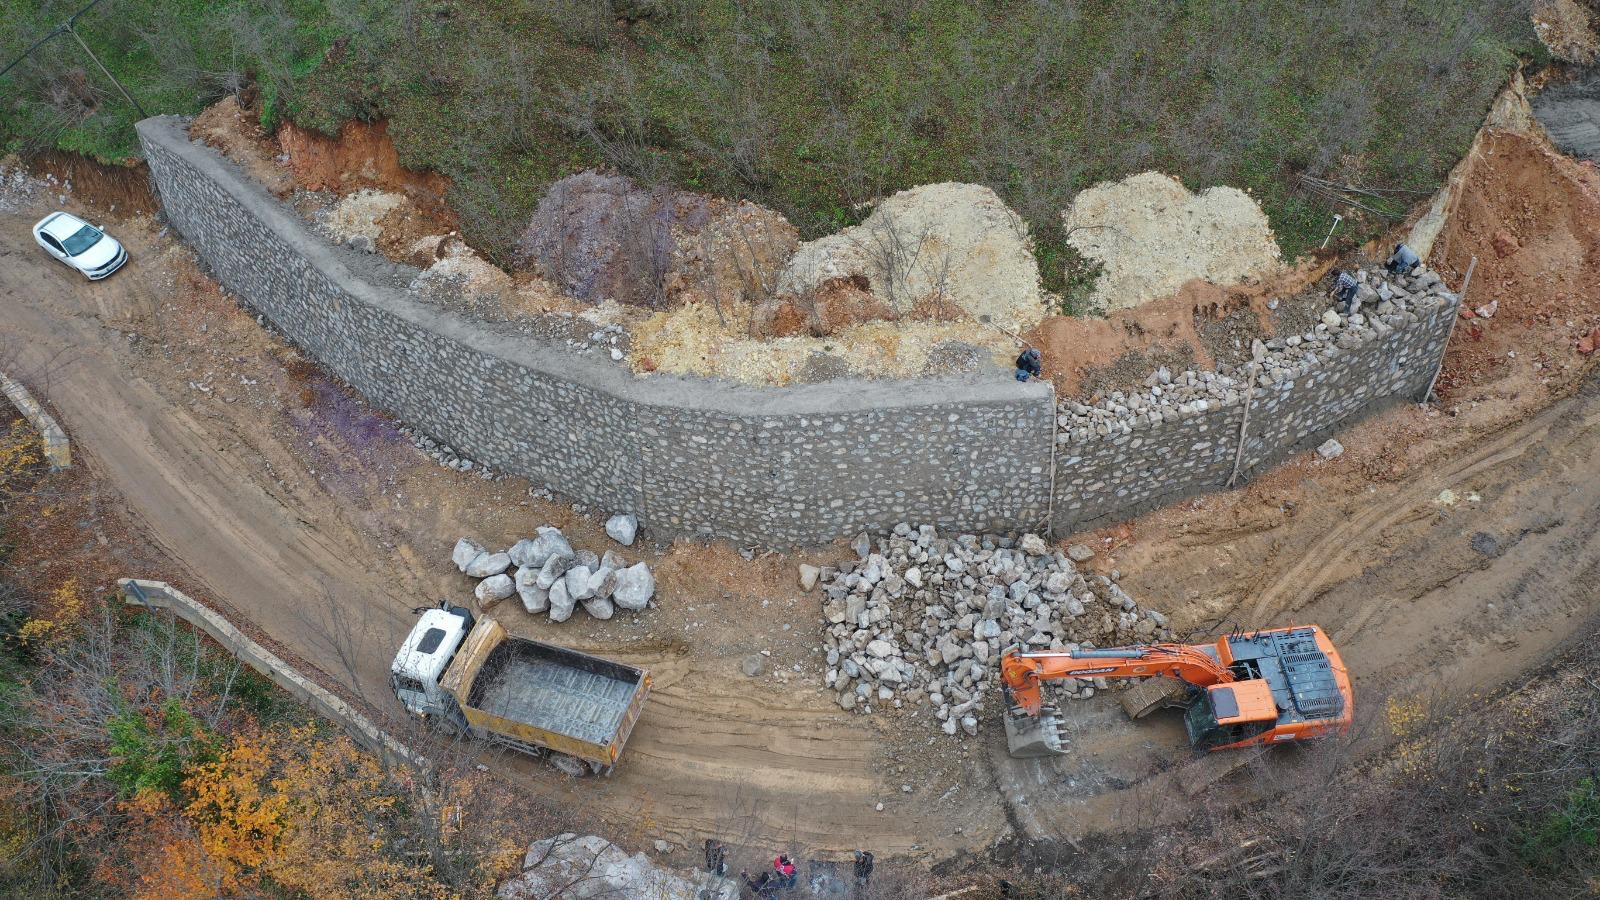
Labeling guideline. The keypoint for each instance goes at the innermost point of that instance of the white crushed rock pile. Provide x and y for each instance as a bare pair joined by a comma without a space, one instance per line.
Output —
19,191
354,219
1150,234
949,242
920,620
1385,304
552,578
570,866
465,272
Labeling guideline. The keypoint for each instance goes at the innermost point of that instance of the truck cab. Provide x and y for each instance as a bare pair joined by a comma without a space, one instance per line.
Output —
420,664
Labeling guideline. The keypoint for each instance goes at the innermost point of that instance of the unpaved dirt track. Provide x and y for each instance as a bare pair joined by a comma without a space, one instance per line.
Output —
1389,572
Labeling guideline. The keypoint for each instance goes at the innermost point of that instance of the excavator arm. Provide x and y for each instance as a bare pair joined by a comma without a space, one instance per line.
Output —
1023,672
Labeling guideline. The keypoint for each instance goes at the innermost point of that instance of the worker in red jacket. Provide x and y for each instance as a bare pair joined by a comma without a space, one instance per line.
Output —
788,876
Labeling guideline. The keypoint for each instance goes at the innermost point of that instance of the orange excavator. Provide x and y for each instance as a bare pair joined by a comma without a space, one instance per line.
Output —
1251,688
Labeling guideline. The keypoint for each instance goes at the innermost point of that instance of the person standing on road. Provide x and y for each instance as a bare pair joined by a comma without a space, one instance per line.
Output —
1029,364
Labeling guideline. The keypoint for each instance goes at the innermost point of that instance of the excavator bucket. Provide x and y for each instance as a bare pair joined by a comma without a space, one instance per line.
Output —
1033,736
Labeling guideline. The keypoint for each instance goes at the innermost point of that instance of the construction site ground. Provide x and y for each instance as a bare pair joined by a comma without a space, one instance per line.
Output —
1450,548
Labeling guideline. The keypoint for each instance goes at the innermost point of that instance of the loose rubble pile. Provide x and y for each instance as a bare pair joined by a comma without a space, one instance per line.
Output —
551,577
922,620
1383,305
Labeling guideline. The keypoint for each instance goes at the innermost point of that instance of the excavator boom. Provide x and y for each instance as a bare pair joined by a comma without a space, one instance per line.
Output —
1022,672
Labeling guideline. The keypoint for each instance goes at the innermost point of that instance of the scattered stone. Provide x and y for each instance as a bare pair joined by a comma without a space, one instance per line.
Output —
1080,553
1485,543
862,545
1330,449
577,579
1034,545
754,665
622,528
808,577
662,846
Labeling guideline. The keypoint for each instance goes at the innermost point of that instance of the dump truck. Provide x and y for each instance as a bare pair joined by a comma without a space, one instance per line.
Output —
470,677
1249,689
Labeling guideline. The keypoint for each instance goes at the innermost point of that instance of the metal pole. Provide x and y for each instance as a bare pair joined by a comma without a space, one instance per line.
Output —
107,72
1244,424
1336,220
1465,283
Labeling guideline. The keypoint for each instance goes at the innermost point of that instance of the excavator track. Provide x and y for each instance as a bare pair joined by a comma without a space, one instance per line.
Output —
1145,697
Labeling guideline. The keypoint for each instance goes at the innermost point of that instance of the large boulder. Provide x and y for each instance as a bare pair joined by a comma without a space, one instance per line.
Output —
537,551
934,250
494,589
486,564
464,553
635,587
535,599
622,528
561,603
588,867
600,236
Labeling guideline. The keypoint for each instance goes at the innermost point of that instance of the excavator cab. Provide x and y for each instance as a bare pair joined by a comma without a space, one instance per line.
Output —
1225,714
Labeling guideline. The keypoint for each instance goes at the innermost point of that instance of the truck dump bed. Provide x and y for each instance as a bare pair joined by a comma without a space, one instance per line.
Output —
528,692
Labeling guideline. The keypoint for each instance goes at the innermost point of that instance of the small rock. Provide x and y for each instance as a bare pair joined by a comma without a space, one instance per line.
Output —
808,577
1080,553
602,582
464,553
599,607
663,847
1330,449
622,528
554,567
635,587
538,551
1486,544
1331,319
862,545
1034,545
755,665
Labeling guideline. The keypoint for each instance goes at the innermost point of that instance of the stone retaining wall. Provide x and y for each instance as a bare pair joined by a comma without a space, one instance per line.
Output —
709,459
688,456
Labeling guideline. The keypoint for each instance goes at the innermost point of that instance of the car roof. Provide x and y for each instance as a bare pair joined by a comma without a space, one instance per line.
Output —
61,225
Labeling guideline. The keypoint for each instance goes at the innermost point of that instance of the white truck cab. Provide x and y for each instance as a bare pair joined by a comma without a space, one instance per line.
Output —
423,657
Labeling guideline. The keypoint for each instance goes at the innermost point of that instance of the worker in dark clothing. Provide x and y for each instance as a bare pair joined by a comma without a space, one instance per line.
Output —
1344,291
764,887
1403,261
1029,364
863,869
716,857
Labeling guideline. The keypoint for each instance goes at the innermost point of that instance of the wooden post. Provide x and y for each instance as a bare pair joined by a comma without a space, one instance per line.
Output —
1466,282
107,72
1244,424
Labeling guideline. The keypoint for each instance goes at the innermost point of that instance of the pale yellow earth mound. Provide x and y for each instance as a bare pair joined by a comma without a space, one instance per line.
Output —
949,242
1150,235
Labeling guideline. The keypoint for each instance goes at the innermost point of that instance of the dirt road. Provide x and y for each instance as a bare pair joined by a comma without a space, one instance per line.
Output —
294,509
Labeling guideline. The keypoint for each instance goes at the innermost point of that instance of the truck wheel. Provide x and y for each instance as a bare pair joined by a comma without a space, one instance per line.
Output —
570,765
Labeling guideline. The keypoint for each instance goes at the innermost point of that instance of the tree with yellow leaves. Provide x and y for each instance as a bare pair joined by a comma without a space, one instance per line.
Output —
305,812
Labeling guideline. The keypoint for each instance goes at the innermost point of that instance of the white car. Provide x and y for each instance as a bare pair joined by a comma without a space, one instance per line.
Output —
80,245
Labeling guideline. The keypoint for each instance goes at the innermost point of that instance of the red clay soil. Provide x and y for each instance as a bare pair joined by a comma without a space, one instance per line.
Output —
1072,347
362,156
122,190
1532,218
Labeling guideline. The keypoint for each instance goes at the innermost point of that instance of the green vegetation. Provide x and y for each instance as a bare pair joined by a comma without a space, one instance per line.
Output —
151,750
815,108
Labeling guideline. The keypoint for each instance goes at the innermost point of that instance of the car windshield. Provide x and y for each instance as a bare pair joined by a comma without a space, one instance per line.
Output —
81,240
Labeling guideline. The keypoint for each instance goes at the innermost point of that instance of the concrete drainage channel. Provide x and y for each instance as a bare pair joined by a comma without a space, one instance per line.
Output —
57,449
782,467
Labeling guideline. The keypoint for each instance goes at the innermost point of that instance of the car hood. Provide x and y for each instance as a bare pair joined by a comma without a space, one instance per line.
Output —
98,255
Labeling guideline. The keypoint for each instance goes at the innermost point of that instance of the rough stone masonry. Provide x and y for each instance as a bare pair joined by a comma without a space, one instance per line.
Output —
772,466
